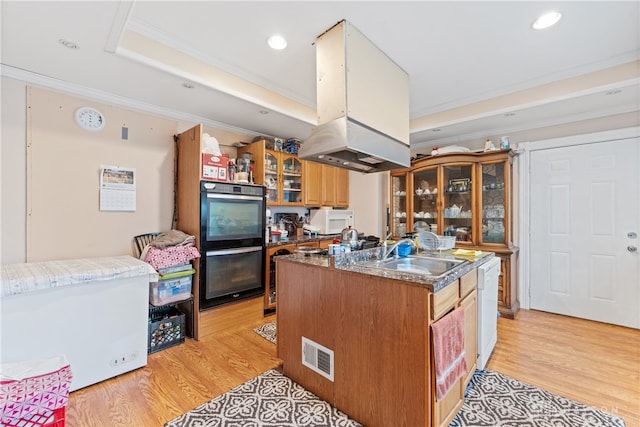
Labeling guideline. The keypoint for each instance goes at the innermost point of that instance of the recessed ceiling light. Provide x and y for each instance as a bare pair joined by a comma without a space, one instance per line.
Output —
277,42
69,44
546,20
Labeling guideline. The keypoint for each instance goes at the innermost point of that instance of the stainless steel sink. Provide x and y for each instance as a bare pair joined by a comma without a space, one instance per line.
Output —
426,265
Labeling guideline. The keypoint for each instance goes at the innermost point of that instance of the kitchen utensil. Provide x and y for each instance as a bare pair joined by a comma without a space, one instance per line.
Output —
350,237
420,226
308,250
290,227
427,240
404,249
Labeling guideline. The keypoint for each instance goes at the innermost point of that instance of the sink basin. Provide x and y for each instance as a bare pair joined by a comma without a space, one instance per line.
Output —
430,266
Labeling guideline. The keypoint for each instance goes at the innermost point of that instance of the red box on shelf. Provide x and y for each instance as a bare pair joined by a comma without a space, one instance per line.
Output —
214,167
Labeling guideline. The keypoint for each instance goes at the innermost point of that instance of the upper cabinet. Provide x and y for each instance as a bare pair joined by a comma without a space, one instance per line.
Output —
466,195
294,182
280,172
463,195
326,185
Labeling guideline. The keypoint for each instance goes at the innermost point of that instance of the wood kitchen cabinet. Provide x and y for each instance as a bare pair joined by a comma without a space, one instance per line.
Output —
379,331
326,185
445,409
270,287
282,174
294,182
189,166
467,195
313,185
342,188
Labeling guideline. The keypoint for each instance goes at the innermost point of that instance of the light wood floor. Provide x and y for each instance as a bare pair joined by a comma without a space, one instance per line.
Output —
592,363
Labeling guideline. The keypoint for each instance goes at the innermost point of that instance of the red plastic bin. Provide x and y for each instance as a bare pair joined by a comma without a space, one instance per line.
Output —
34,394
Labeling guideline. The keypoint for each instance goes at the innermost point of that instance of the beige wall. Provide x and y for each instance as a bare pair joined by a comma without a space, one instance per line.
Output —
63,165
49,178
64,220
369,207
12,172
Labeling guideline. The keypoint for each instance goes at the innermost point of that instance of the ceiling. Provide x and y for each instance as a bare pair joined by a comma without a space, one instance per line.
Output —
474,67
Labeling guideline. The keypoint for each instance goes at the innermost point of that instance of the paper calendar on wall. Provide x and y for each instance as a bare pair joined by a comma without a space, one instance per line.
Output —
117,189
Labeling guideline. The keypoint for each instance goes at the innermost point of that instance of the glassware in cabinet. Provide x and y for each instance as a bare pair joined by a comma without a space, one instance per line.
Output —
493,203
291,180
425,200
398,212
458,201
271,167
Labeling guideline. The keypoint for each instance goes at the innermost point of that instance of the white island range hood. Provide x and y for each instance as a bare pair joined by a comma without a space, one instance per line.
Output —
362,103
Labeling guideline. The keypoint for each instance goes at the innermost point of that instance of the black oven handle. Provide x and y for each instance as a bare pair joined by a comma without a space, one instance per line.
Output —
233,197
235,251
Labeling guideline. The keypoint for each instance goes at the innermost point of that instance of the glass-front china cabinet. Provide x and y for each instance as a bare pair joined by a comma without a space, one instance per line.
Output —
425,197
466,195
280,172
399,205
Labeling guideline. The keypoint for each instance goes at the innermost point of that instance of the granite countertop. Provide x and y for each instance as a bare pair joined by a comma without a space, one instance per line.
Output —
358,262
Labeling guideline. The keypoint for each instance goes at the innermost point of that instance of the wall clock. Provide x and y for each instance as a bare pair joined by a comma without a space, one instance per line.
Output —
89,119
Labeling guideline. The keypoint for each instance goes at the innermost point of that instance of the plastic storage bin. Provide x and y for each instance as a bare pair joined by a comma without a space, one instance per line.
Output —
171,289
34,393
166,328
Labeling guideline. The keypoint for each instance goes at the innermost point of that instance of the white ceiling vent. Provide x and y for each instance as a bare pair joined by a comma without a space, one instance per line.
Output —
317,358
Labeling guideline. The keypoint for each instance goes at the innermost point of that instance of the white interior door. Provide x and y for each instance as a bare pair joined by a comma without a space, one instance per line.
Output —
585,216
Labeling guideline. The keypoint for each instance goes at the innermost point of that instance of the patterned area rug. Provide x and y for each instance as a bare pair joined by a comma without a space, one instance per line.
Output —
492,399
268,400
267,331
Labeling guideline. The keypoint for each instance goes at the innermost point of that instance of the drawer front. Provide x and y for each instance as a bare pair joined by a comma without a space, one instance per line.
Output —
444,300
468,283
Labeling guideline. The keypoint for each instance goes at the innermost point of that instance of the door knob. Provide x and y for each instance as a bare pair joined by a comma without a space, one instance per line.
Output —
632,248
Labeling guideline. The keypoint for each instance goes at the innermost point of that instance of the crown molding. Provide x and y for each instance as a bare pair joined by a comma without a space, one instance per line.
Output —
112,99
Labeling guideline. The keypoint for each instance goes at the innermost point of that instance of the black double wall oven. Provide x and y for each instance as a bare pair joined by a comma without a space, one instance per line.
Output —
232,242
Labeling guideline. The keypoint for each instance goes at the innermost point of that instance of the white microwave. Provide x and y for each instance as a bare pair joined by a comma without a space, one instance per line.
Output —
331,221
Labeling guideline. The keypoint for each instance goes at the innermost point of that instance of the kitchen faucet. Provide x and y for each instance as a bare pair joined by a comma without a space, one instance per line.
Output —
388,250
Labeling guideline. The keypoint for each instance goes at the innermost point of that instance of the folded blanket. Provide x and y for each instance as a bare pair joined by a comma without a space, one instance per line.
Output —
449,352
172,238
170,256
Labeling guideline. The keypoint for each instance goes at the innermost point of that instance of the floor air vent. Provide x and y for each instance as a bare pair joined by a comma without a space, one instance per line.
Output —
317,358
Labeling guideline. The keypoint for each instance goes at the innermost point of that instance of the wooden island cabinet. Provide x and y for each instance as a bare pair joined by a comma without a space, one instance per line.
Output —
379,331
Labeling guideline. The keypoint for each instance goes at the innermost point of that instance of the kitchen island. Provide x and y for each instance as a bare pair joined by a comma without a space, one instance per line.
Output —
376,323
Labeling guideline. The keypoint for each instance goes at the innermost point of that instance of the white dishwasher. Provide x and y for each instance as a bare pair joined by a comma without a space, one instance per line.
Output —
487,309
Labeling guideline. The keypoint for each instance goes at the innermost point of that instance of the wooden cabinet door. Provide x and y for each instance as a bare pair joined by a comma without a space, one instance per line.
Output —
312,191
445,409
342,188
291,180
328,185
470,305
272,176
270,273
